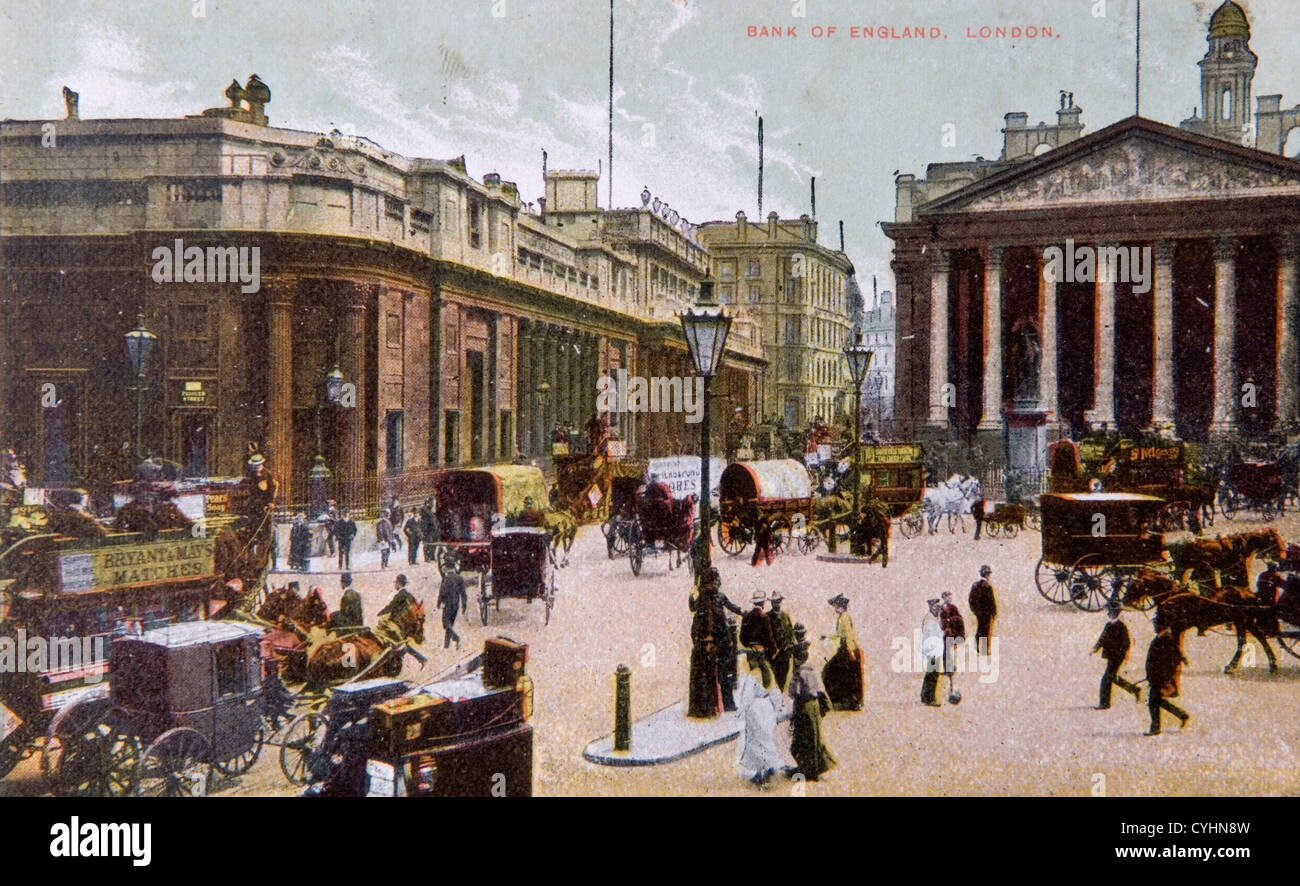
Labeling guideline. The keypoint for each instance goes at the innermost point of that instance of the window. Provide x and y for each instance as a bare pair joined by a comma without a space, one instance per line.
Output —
451,438
393,422
727,294
393,334
232,675
421,221
193,344
449,214
755,295
475,224
755,268
727,270
394,209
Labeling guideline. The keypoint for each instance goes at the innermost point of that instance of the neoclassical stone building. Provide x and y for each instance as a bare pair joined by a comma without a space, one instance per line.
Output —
1190,330
467,325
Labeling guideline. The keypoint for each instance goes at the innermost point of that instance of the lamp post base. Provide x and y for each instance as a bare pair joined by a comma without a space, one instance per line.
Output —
705,693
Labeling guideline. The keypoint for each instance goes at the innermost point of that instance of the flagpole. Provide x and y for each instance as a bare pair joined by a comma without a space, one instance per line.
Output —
1137,63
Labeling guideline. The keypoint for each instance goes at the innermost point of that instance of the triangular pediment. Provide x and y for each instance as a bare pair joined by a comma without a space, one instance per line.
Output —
1140,162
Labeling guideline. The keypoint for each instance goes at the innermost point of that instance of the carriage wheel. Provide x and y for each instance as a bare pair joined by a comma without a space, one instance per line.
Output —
1010,530
98,760
241,763
1053,581
177,764
298,745
911,524
780,536
1034,520
809,541
635,557
1229,504
732,538
1093,583
610,531
991,529
1290,641
1268,510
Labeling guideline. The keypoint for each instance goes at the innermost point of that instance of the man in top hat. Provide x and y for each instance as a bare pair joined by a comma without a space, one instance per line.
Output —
984,606
1114,644
843,673
414,535
349,613
401,599
345,530
756,627
783,634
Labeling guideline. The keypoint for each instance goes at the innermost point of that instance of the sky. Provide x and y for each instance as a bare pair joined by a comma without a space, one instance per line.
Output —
501,80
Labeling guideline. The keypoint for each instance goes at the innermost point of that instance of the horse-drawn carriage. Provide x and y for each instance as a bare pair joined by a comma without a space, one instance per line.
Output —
660,524
1006,520
584,483
1254,486
1160,468
617,527
774,495
184,699
1093,543
470,501
522,567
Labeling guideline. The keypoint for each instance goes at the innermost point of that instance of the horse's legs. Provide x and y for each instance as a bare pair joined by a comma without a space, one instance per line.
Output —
1268,650
1241,645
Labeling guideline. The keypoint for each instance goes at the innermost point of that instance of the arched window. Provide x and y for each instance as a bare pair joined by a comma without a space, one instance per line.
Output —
1227,105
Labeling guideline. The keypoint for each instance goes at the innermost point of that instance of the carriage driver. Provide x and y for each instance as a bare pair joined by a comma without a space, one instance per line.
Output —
401,599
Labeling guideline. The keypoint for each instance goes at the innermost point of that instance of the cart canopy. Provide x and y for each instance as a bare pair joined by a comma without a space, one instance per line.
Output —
773,480
500,488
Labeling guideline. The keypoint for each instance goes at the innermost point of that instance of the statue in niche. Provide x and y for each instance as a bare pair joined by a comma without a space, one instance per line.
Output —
1027,355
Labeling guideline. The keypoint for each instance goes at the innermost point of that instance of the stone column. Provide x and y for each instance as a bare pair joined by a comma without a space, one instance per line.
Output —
1162,361
550,399
1048,387
1103,392
940,268
1288,360
991,418
279,388
1225,336
563,379
524,385
351,469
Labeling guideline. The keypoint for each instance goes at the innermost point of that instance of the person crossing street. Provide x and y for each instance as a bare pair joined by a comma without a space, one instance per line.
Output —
1114,644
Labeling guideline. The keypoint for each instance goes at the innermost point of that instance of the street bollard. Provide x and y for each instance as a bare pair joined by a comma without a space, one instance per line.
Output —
622,708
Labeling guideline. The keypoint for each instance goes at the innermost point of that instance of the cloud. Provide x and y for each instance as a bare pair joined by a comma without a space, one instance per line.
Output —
112,76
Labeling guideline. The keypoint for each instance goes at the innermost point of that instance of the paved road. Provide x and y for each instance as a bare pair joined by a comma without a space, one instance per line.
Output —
1027,727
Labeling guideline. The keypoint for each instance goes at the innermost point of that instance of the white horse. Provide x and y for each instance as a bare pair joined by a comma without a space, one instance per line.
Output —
952,499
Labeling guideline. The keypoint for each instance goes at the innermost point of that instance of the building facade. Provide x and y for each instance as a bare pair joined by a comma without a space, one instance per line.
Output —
798,293
878,388
466,328
1138,278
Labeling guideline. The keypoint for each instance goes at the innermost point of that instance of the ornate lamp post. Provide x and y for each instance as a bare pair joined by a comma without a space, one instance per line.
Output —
705,331
320,474
859,357
139,345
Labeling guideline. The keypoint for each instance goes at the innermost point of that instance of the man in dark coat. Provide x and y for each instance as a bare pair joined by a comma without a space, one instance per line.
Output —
724,637
329,520
349,613
1114,644
403,598
345,530
1164,667
384,538
299,544
413,537
452,597
756,627
396,516
783,633
977,511
430,530
984,606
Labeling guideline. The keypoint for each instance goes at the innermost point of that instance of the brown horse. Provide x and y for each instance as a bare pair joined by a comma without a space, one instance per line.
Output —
1225,559
333,659
282,607
1180,609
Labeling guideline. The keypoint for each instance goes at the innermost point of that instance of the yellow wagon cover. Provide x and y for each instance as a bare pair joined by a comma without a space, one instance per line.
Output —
782,478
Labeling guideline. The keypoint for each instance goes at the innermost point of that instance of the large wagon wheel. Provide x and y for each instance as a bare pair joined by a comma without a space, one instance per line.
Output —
1010,530
992,528
911,524
177,764
97,760
298,746
810,539
241,763
780,535
635,555
1094,583
1053,581
731,537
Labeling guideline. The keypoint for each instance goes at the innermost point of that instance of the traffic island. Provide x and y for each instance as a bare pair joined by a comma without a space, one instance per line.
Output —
665,736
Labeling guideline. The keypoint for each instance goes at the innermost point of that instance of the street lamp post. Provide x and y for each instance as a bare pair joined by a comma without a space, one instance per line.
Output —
139,345
859,357
706,339
319,475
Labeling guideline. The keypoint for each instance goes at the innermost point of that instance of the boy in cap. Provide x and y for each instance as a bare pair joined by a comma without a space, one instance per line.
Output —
1114,644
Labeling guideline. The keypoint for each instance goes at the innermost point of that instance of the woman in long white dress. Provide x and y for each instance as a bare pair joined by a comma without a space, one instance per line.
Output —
757,709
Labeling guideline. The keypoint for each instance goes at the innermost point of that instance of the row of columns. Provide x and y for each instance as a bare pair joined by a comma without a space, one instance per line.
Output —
568,360
1226,393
